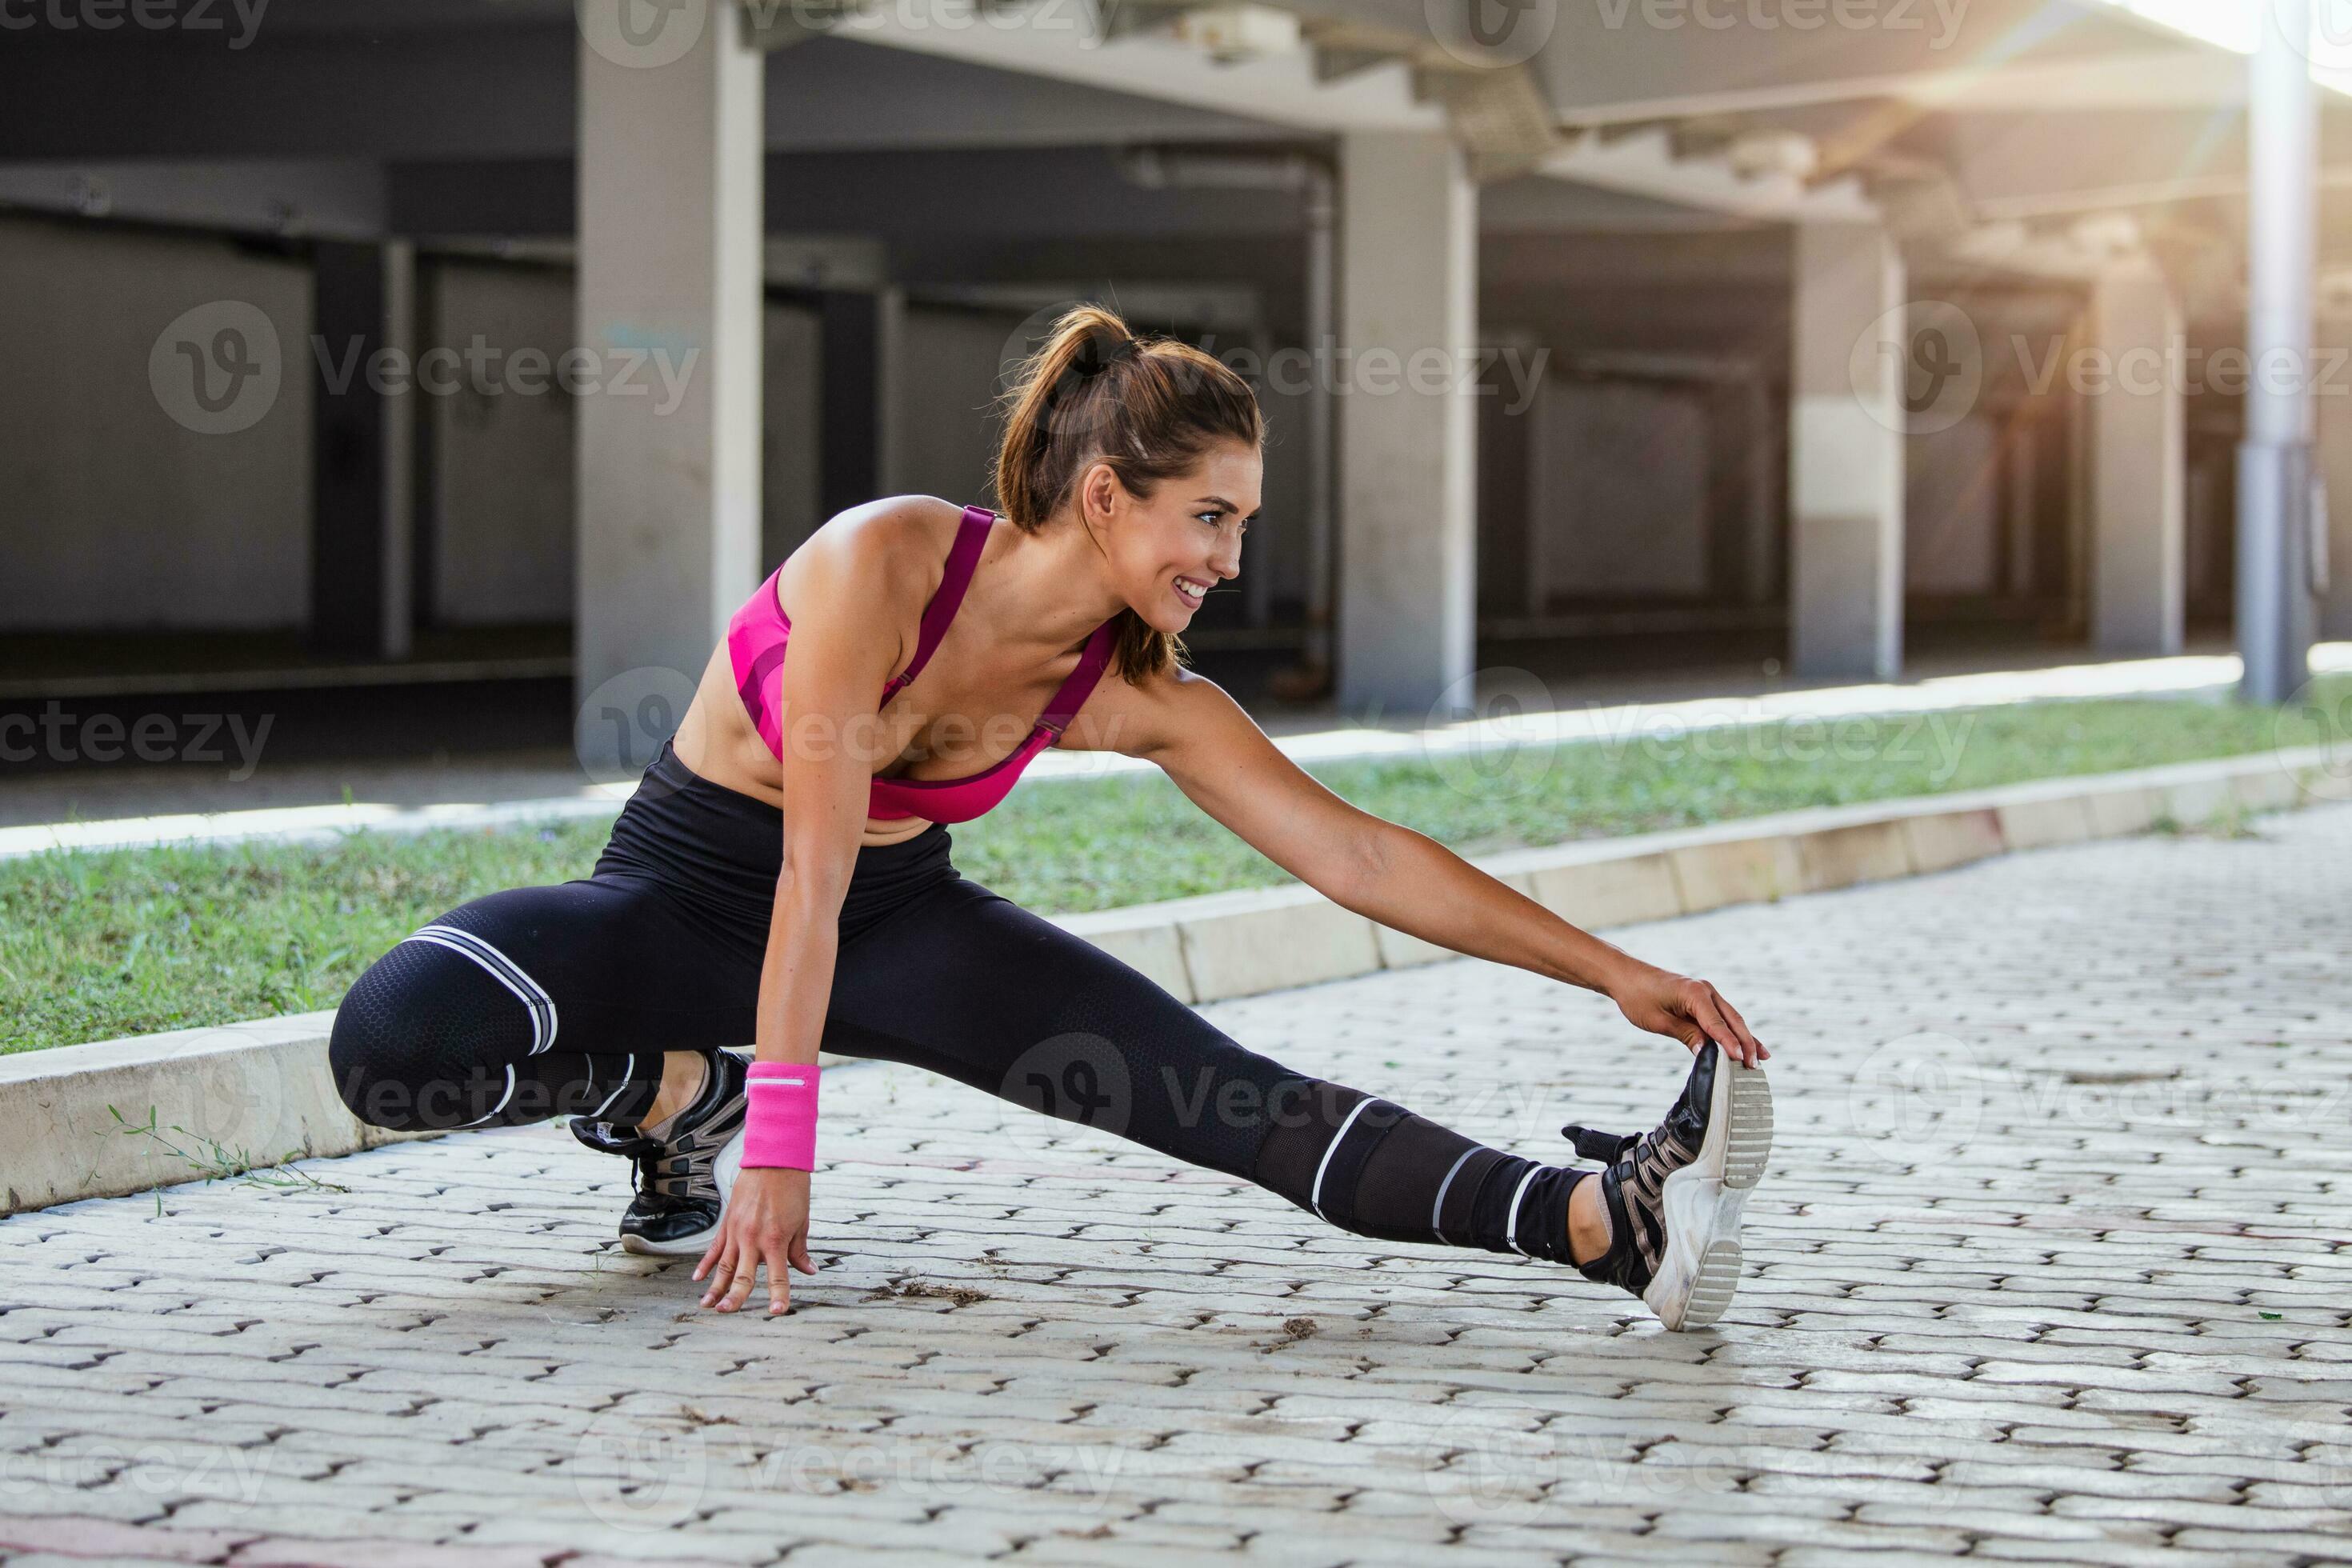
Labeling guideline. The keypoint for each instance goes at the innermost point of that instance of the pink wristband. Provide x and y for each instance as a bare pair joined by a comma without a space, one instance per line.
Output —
780,1124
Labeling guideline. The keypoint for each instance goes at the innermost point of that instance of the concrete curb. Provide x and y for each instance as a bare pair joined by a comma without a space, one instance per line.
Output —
263,1088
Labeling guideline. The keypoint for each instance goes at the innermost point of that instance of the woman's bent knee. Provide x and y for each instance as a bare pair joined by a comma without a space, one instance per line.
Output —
360,1050
400,1041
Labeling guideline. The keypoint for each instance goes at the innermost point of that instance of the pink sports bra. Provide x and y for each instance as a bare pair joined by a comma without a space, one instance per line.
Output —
755,642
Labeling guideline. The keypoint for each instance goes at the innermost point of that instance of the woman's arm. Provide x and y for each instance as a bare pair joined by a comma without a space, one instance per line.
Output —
1194,731
843,591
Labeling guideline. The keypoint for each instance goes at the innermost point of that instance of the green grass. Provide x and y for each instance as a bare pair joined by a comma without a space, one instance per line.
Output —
96,945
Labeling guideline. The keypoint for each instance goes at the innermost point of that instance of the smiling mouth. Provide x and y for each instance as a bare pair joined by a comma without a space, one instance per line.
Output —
1191,590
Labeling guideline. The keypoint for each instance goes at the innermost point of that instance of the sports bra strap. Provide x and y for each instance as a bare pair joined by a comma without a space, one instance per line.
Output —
1073,694
963,558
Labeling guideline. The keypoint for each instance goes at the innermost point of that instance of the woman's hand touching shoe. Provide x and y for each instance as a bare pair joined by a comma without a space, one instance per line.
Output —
1688,1010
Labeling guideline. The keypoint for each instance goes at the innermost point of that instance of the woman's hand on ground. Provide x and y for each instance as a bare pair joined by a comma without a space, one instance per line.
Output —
767,1222
1691,1011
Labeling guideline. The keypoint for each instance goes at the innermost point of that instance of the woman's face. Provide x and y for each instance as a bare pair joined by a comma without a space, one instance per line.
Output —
1168,551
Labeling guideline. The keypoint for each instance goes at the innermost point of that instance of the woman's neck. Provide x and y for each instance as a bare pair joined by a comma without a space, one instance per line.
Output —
1045,590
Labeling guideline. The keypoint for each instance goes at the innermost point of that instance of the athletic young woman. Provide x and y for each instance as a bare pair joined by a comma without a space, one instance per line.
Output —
781,877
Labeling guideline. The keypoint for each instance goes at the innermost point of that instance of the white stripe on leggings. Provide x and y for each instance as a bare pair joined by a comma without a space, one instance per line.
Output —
530,1003
501,1105
1315,1193
1437,1209
1511,1231
628,1070
533,996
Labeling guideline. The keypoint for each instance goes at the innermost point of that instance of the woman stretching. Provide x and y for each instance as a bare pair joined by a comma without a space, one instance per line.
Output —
781,877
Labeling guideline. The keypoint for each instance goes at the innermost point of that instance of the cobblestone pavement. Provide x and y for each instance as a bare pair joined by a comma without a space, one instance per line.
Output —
2049,1265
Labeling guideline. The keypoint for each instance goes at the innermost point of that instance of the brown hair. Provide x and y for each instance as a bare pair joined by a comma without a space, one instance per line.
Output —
1096,392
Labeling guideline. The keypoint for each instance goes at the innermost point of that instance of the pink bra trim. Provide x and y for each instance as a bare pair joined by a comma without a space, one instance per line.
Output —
757,635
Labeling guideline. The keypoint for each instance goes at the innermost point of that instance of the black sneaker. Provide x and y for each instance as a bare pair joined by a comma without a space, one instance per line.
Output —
677,1204
1675,1192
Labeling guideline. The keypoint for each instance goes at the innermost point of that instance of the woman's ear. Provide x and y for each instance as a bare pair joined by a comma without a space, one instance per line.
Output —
1098,493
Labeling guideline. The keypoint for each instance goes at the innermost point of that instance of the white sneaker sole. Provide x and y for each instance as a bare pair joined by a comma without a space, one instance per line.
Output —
693,1245
1695,1281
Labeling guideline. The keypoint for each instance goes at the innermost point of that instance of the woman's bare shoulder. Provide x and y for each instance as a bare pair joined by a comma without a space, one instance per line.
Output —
877,552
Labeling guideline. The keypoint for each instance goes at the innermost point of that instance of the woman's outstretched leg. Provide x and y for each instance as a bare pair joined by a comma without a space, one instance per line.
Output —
966,983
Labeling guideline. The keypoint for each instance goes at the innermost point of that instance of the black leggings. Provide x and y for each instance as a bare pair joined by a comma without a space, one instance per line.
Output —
541,1002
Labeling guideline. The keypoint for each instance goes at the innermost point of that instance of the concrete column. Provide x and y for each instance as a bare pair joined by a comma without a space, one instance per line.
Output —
889,353
1845,454
2333,423
2277,556
1408,346
670,284
849,422
363,448
2139,464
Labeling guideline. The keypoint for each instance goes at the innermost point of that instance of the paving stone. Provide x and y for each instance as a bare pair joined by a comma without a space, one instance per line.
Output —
2056,1132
